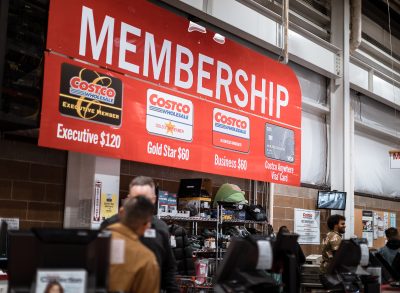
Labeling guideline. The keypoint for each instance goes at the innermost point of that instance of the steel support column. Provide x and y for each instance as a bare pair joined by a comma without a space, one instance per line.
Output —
341,118
4,4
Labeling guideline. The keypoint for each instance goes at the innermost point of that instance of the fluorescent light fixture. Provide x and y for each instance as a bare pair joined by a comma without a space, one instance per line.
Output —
196,27
220,39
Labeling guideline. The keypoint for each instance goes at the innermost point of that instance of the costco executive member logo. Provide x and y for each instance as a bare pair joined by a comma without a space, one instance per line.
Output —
88,95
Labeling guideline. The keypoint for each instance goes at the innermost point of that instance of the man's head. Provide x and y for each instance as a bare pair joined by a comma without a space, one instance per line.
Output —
337,223
137,214
143,185
391,233
283,229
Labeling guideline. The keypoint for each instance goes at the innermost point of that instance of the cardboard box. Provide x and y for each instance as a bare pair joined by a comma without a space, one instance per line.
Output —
201,204
163,201
172,202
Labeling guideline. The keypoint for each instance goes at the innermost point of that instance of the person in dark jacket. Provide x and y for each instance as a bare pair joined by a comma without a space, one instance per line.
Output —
392,246
182,251
299,255
156,238
298,252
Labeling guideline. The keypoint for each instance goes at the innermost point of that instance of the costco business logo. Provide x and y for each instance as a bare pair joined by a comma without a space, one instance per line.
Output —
168,115
231,130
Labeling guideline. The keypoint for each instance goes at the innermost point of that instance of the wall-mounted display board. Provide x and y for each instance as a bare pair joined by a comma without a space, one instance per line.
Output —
381,220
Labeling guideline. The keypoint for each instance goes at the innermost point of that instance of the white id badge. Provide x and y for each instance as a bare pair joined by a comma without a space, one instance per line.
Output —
173,241
150,233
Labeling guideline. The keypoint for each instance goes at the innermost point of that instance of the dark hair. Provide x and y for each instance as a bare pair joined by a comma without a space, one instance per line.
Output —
51,284
137,211
391,233
141,181
283,229
334,220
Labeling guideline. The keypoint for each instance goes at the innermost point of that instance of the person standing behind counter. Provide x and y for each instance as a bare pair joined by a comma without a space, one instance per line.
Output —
392,246
331,243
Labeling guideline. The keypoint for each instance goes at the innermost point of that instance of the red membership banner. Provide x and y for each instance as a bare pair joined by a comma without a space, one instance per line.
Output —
135,81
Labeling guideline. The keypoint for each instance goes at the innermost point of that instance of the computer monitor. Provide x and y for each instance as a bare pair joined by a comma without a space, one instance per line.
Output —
334,200
58,249
396,267
239,268
192,187
347,258
376,260
244,264
3,245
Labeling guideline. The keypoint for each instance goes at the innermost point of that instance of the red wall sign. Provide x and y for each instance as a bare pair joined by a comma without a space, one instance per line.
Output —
157,93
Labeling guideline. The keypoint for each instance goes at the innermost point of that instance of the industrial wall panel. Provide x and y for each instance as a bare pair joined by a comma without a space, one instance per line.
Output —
358,76
388,91
245,19
195,3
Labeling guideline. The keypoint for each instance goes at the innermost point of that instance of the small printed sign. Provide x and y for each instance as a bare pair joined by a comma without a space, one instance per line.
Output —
307,225
394,159
67,281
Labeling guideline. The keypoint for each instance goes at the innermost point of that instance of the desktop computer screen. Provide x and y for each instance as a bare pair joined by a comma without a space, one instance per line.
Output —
58,249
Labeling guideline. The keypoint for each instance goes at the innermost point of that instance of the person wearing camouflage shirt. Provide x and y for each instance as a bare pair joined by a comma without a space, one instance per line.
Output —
331,243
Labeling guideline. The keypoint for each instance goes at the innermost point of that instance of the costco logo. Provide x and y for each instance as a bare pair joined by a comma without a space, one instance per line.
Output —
159,102
231,130
169,115
91,90
230,122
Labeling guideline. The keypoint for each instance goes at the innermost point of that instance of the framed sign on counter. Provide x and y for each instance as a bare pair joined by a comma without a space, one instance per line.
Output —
307,225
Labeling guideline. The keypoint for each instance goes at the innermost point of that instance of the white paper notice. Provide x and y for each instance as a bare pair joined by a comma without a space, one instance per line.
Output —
364,255
264,255
13,223
307,225
70,281
393,220
117,251
385,220
370,237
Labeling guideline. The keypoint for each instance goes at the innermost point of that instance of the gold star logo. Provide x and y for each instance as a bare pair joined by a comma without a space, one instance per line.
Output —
170,127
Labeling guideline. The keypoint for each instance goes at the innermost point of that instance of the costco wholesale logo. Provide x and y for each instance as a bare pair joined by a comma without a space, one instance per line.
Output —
231,130
168,115
90,90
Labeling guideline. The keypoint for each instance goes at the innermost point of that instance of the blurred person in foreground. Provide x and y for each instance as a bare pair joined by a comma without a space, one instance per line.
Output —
156,238
298,254
133,267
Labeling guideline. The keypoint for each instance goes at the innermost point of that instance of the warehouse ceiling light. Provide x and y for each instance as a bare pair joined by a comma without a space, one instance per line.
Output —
196,27
220,39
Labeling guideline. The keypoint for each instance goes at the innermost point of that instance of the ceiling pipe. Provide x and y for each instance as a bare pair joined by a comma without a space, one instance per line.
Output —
355,30
285,29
